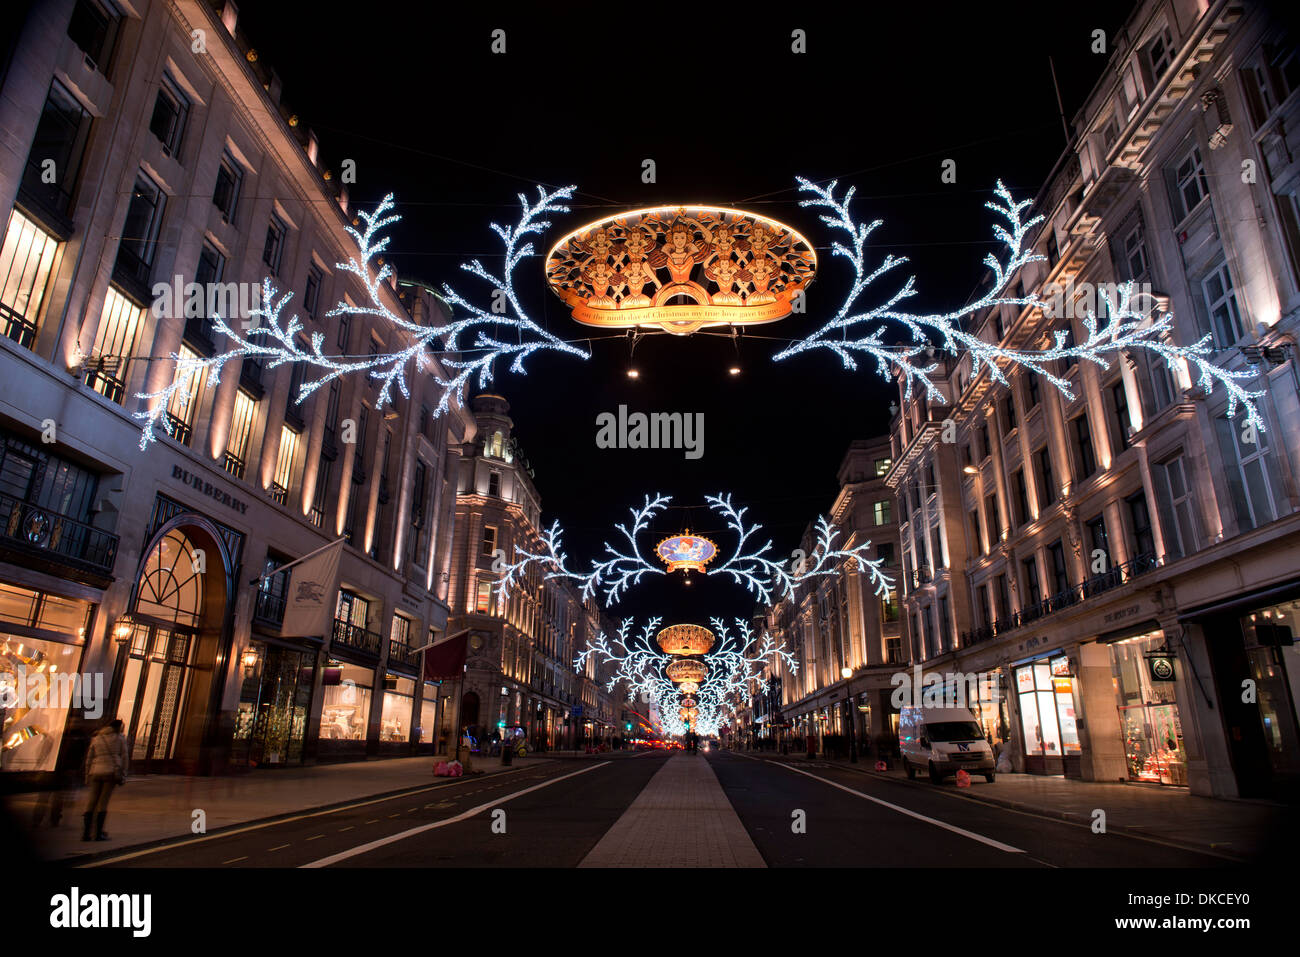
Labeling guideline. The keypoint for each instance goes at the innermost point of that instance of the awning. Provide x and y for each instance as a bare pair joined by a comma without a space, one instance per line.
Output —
446,660
1250,600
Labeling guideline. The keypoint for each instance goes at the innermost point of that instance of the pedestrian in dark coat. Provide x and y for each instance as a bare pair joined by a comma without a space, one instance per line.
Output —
105,767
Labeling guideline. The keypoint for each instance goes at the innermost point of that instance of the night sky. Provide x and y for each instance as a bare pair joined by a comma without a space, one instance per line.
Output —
730,115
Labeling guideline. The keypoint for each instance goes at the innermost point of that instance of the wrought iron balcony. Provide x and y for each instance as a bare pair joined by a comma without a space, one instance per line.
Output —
58,538
269,608
1074,595
17,326
401,654
234,464
279,493
357,638
179,429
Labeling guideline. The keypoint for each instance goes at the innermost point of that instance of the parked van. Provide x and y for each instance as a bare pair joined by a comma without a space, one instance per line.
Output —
943,741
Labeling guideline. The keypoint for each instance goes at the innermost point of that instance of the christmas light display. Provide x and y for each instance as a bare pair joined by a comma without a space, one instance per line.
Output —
276,341
749,564
1128,327
724,674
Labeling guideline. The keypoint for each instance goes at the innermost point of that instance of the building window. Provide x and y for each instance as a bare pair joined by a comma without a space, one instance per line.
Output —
26,260
119,325
1255,492
321,494
494,484
489,545
93,28
241,427
1190,186
1046,482
889,606
1178,515
171,109
208,273
945,624
1008,406
1121,424
1135,253
986,448
1097,542
882,466
1053,249
1003,595
1022,497
57,149
311,296
139,241
345,331
273,247
976,544
1060,576
1221,303
401,631
1033,589
982,602
1085,459
882,512
1163,388
183,402
284,463
483,599
419,527
1031,391
225,195
885,553
1143,538
991,520
1159,54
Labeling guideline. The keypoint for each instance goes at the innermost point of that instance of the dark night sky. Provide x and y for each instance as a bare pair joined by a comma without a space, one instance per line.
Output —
583,95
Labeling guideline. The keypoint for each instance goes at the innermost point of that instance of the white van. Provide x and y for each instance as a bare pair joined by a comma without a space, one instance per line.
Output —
943,741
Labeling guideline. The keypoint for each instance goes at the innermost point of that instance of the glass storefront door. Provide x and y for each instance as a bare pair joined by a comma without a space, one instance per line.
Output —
1148,714
1045,693
271,723
154,689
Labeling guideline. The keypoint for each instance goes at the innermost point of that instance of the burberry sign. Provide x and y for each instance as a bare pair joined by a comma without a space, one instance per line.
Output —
199,484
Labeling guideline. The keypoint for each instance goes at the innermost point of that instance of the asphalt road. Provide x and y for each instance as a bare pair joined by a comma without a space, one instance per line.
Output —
896,823
555,811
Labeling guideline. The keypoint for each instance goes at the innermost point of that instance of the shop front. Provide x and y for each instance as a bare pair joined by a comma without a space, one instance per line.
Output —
42,639
347,689
1145,677
274,704
1045,701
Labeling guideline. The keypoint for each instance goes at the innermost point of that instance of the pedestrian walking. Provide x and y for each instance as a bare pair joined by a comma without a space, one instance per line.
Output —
105,766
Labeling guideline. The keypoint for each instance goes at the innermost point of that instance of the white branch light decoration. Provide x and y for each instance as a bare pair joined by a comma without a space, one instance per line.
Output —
749,564
271,338
736,659
1128,328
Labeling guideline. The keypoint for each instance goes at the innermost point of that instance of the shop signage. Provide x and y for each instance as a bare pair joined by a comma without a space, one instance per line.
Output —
1161,667
1061,667
204,487
1122,614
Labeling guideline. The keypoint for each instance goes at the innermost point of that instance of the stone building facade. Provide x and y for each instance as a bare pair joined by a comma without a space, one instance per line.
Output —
136,160
1124,564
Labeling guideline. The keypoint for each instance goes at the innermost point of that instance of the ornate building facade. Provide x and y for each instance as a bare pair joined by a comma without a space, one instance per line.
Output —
1123,564
148,152
522,645
846,639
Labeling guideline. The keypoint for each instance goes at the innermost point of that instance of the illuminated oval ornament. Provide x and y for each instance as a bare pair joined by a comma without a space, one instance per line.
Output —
686,669
681,269
685,640
686,551
688,687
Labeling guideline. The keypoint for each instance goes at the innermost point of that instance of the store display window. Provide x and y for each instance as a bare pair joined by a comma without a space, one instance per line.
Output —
39,685
1274,658
345,706
399,701
1047,714
1148,713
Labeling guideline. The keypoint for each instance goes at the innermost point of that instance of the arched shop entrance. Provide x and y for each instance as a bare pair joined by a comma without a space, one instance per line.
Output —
171,664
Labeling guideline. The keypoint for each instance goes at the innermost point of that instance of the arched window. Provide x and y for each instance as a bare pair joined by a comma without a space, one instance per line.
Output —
171,586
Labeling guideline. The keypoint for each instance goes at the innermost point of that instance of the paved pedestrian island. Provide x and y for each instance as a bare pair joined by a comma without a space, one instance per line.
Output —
682,818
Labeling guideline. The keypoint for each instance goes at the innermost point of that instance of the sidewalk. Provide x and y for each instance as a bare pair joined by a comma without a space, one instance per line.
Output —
158,807
1239,829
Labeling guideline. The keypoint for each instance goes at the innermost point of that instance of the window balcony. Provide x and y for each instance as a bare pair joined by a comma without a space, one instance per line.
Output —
178,429
17,327
401,655
57,539
268,608
279,494
234,465
352,636
1074,595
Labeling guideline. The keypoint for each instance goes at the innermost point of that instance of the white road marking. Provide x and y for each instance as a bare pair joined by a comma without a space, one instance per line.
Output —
261,824
278,847
910,813
463,816
236,860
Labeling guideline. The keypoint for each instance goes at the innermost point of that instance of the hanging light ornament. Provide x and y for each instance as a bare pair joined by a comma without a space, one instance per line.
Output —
685,640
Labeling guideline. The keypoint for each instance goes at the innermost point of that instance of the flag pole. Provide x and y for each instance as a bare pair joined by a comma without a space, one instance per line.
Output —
299,561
